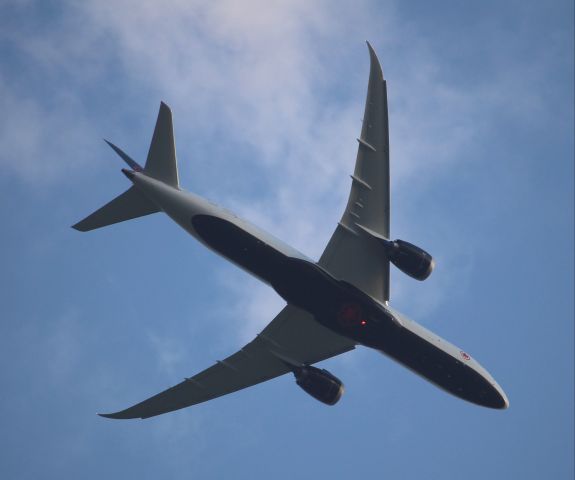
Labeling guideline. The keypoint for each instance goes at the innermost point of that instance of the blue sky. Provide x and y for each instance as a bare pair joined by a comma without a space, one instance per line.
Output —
267,100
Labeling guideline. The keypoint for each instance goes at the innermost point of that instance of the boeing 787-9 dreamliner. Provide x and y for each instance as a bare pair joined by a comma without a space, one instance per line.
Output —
333,305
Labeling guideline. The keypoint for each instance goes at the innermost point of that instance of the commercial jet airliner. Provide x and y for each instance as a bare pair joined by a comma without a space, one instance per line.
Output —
333,305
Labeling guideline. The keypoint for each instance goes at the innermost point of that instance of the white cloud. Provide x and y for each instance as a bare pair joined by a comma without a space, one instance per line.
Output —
169,352
251,75
252,306
41,143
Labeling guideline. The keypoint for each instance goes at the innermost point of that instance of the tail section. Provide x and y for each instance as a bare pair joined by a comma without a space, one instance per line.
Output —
161,164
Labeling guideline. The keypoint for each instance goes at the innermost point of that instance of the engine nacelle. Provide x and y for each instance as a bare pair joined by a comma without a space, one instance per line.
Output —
320,384
411,260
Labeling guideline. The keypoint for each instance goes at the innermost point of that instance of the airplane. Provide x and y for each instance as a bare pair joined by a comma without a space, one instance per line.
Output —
333,305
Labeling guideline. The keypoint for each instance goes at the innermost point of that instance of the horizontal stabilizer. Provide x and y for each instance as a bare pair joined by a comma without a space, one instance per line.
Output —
128,205
124,156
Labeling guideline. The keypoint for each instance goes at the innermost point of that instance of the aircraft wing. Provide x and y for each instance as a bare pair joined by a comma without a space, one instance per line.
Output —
351,254
292,338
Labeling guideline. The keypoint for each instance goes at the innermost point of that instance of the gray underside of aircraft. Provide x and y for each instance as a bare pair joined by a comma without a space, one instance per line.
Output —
333,305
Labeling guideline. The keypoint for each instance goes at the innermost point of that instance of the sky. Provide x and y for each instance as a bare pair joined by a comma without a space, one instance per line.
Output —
267,99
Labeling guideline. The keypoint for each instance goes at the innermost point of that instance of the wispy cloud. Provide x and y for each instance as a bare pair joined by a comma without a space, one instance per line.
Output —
41,143
249,83
169,352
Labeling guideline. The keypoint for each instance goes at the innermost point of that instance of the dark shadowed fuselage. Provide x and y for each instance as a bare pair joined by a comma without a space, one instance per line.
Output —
343,308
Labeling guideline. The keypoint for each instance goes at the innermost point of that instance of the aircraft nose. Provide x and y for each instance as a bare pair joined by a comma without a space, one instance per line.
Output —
504,401
497,398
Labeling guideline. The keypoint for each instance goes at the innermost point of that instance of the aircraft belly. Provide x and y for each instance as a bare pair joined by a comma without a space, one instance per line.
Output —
420,351
240,247
441,368
348,311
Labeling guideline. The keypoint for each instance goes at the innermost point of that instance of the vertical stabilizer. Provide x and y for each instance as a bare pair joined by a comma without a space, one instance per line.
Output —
161,163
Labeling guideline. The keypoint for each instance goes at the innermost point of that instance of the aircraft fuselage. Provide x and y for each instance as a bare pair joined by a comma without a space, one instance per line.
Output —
336,304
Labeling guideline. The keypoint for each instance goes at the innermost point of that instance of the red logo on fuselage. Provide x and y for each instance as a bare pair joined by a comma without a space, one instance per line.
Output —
465,356
349,315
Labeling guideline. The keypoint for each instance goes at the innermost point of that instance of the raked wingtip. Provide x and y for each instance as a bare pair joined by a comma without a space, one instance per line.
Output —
374,60
114,416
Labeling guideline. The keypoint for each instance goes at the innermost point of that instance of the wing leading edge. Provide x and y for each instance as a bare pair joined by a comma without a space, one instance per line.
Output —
293,338
351,254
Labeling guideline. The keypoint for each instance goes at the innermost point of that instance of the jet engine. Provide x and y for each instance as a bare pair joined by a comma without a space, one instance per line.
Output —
411,260
320,384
